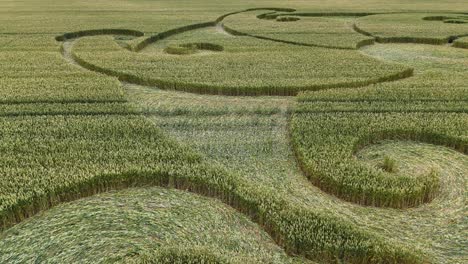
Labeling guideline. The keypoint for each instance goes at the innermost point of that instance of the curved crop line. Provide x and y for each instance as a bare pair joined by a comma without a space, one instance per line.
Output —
214,89
447,19
190,48
435,18
377,39
267,16
361,31
275,15
272,15
140,46
163,35
452,142
232,91
274,9
294,228
238,33
236,91
411,40
431,185
97,32
264,15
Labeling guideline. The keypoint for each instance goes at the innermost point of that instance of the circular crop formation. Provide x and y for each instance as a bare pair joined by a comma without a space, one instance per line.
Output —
354,129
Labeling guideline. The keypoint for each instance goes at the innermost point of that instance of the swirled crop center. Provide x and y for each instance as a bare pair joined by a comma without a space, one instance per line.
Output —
325,142
88,139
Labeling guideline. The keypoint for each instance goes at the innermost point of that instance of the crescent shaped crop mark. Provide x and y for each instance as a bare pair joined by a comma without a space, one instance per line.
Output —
172,32
238,33
207,89
275,15
98,32
213,89
433,41
287,19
